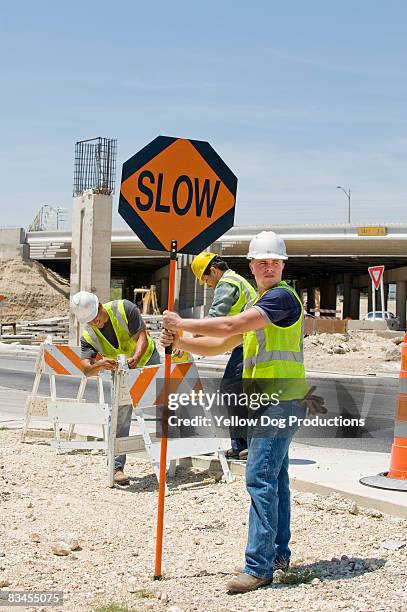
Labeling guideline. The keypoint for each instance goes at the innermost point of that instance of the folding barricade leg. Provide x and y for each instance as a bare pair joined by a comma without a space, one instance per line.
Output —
32,402
225,467
37,405
63,360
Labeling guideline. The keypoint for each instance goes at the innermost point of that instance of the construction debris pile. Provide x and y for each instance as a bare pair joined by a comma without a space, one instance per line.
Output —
32,292
35,332
361,351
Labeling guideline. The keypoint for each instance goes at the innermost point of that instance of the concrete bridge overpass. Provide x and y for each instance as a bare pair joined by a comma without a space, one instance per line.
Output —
331,258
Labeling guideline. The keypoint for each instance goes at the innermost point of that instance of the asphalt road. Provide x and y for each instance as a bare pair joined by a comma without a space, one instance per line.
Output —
372,398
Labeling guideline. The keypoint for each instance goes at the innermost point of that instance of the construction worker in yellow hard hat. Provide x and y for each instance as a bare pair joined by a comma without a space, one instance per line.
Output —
200,264
231,296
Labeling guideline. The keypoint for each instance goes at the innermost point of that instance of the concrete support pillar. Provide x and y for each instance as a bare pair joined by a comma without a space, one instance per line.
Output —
90,250
401,296
323,293
164,293
332,296
187,284
386,295
126,290
369,298
328,295
310,294
161,280
355,303
347,300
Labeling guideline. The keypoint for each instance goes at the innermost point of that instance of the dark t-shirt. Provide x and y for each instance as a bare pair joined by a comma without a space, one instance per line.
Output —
134,321
279,306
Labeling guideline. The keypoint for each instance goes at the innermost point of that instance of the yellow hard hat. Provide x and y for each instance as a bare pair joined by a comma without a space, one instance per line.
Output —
200,263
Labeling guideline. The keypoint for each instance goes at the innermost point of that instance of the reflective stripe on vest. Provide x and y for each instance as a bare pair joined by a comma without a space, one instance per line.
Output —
247,293
264,356
275,352
127,345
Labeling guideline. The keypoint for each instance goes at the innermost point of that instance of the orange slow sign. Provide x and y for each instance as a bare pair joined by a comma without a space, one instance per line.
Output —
177,189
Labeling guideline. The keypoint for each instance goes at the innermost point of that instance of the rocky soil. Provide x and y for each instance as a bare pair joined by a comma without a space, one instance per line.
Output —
355,351
62,529
33,291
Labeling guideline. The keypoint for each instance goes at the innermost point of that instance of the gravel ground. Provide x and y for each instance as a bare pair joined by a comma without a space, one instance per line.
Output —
46,498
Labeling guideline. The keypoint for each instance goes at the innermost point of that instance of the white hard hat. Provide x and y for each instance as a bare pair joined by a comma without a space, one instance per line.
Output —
267,245
85,306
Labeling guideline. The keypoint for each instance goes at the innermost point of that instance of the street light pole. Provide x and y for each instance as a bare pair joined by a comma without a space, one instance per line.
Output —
347,193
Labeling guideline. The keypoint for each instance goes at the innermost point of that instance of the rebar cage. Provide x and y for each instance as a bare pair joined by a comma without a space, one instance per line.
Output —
95,165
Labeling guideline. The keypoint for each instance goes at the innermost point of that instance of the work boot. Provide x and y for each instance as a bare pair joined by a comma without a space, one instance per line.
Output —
242,583
243,454
120,478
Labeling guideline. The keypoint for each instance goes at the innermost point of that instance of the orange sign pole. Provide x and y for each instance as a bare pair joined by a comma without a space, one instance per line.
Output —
178,196
164,427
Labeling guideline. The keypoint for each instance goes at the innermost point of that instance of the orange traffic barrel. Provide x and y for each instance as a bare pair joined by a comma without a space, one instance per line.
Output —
398,463
396,477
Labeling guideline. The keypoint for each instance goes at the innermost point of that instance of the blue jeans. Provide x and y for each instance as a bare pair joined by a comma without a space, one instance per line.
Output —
124,417
268,486
232,383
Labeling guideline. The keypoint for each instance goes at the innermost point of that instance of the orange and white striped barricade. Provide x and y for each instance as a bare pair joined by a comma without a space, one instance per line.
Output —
62,361
396,478
146,389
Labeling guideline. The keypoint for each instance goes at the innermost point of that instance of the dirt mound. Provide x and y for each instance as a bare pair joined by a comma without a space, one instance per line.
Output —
32,291
355,351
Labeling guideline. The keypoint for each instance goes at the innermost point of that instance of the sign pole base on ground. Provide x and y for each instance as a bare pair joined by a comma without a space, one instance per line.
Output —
164,429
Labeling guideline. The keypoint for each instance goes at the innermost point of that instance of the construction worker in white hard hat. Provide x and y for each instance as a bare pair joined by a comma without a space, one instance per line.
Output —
231,296
112,329
271,330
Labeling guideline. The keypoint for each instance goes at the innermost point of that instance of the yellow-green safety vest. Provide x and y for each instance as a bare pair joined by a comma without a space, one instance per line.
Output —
275,352
127,345
247,292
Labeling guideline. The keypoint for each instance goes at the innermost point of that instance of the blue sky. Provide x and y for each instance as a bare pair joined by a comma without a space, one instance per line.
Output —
297,97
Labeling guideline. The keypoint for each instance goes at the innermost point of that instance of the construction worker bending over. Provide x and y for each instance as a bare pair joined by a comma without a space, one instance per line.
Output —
231,296
115,328
272,334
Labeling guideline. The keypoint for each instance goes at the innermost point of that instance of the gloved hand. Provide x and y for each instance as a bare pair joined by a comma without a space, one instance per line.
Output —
313,404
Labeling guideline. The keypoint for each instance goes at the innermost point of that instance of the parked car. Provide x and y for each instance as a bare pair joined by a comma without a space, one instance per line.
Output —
393,322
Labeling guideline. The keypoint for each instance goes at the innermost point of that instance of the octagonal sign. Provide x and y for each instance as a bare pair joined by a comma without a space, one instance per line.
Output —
177,189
